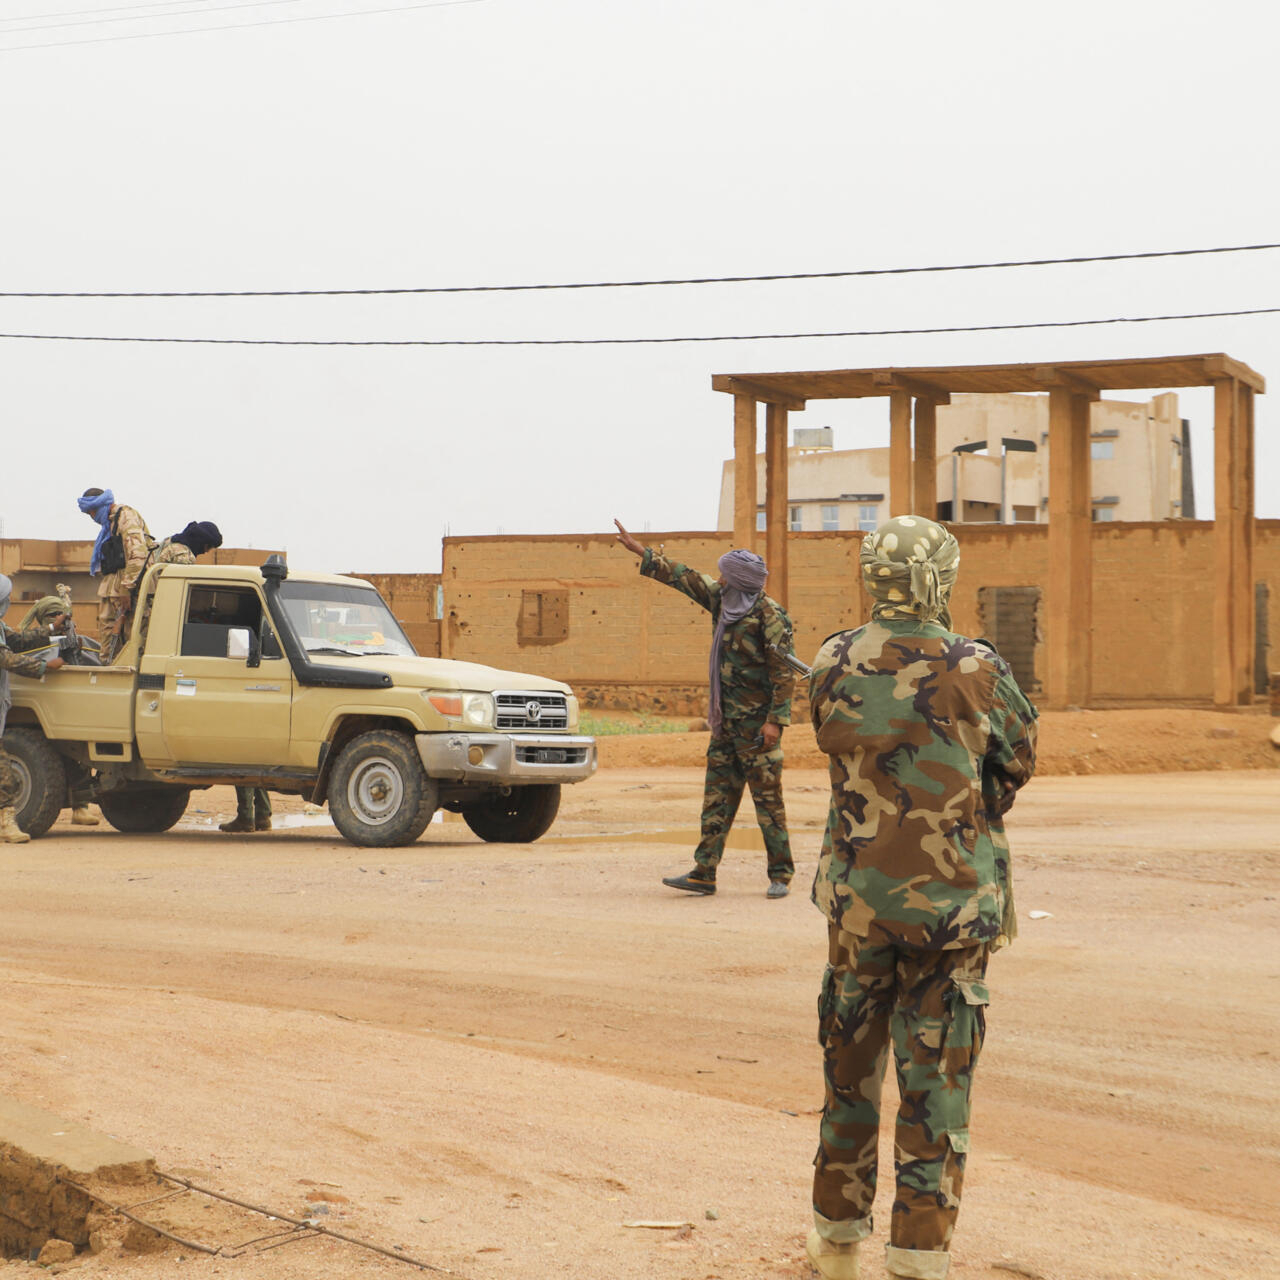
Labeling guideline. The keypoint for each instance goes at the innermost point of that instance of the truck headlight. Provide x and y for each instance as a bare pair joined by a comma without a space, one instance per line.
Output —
477,708
471,708
571,706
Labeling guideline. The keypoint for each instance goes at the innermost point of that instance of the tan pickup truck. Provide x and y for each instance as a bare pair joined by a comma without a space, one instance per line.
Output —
303,684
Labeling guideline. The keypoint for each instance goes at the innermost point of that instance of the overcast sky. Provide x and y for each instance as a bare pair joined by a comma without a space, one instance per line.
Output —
525,141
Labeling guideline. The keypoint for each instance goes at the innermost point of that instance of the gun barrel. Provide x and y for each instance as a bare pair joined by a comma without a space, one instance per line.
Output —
792,661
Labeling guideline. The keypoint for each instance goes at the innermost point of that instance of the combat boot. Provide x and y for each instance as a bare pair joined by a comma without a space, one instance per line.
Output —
262,823
81,817
10,832
832,1261
238,825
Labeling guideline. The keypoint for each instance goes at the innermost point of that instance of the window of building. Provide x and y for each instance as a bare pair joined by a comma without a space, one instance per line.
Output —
797,522
760,522
1102,449
544,617
867,517
1104,513
830,517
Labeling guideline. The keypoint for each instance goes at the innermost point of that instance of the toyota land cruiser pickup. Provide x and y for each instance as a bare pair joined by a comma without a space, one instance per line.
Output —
303,684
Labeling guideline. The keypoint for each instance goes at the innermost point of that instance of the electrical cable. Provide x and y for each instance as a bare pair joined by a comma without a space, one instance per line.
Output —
238,26
152,17
76,13
605,342
637,284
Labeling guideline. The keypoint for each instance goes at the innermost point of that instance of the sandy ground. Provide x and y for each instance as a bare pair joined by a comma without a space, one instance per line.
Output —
495,1057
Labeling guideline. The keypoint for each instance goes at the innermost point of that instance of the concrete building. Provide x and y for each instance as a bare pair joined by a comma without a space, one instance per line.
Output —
993,467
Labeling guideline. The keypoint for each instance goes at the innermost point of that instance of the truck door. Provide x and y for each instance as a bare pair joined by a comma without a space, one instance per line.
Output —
220,710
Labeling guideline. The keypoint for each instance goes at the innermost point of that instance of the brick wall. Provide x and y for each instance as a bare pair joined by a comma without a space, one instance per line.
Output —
629,639
412,598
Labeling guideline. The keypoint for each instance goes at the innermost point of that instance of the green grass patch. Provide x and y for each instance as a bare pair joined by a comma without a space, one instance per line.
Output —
604,724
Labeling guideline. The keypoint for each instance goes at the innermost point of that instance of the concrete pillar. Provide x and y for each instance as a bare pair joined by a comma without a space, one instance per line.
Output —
925,469
744,472
1233,501
1069,608
775,500
900,496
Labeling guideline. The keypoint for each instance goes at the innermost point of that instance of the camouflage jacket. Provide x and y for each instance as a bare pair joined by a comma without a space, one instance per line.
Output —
12,646
755,684
923,728
170,552
138,544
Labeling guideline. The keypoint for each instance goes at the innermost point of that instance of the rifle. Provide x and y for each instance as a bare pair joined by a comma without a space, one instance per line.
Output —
791,660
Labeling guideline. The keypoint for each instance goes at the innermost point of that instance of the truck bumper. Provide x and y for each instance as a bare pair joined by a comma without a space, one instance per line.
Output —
506,759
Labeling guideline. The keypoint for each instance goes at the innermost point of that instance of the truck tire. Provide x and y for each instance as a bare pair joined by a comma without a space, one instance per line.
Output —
379,795
518,818
145,810
42,780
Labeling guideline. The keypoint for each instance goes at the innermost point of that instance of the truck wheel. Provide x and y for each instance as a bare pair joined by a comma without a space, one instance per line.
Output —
146,810
42,780
518,818
378,793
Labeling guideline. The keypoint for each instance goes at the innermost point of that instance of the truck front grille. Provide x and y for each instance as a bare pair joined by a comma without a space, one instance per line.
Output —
531,710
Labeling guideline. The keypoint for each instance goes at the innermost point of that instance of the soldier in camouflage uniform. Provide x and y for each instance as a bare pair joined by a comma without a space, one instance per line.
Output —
929,738
117,589
751,688
10,832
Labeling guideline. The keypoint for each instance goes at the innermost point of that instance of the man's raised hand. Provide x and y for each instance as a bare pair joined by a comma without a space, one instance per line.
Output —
627,540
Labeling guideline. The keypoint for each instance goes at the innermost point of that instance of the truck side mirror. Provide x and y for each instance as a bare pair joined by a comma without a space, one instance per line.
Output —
240,644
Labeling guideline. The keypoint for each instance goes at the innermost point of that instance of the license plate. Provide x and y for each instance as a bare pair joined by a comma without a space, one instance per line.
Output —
551,755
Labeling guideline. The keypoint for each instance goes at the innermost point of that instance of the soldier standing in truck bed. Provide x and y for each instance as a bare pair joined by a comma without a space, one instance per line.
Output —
120,556
750,702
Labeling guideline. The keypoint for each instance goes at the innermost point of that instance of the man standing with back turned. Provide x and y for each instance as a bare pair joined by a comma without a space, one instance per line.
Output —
930,739
750,701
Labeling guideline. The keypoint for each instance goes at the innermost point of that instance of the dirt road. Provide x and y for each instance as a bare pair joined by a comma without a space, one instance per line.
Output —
496,1056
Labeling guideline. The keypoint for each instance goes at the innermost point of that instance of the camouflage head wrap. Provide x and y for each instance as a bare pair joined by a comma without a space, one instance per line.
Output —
909,567
43,612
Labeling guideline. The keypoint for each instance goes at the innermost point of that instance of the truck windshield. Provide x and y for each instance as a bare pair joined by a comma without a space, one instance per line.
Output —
334,618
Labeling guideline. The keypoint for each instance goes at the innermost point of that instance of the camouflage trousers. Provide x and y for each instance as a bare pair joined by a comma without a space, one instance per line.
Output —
9,785
931,1006
735,762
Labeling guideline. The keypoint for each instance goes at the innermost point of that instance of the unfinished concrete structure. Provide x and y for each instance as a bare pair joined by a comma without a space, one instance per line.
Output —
1072,387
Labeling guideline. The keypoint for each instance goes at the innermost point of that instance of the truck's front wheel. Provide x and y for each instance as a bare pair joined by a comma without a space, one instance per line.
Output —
378,792
42,780
145,811
518,818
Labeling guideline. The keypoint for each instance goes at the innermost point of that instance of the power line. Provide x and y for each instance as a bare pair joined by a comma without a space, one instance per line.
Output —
150,17
76,13
238,26
630,284
604,342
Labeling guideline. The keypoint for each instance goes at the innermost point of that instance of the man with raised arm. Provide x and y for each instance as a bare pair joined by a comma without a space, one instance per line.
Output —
750,701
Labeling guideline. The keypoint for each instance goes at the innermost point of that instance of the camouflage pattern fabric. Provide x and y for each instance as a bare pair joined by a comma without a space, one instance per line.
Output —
23,666
733,763
115,588
917,721
931,1005
909,566
170,552
755,684
929,738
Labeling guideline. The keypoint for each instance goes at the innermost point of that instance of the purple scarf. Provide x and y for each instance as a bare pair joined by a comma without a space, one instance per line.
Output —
743,573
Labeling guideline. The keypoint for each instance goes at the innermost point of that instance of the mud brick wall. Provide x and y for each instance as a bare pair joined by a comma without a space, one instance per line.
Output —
621,640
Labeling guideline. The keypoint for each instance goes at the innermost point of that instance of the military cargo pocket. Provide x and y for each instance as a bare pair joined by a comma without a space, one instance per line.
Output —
962,1040
959,1139
827,1004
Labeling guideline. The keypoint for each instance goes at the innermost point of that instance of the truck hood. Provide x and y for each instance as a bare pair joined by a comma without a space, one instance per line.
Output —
448,674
